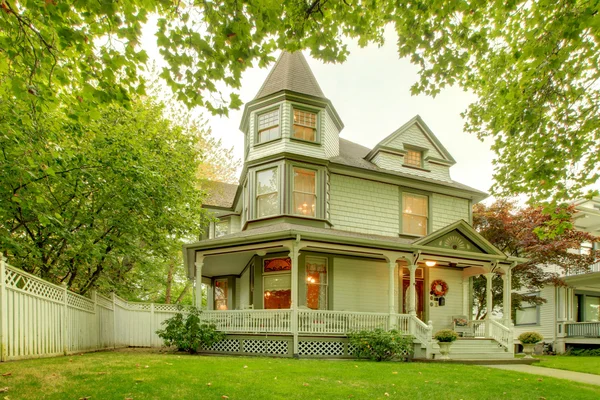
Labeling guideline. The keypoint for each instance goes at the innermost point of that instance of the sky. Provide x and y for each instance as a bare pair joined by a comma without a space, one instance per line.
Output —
371,93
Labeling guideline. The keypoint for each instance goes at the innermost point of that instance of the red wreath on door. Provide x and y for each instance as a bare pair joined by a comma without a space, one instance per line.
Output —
439,288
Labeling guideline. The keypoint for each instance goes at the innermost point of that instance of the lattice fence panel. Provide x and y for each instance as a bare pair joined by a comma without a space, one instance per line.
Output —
19,280
77,301
226,346
351,349
273,347
139,306
320,348
104,302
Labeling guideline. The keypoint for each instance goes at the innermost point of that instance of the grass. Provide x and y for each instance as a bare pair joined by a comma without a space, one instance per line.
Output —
145,375
590,365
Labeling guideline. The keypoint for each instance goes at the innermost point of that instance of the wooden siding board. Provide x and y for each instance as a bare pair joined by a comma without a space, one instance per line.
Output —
442,316
447,209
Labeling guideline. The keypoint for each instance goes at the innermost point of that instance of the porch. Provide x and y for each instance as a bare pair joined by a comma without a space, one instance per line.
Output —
323,284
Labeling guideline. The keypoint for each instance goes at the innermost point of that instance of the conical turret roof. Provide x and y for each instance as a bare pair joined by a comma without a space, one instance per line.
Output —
291,72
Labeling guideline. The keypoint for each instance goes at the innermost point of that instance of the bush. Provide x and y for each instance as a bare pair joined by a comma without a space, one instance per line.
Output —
380,345
530,338
445,336
186,332
584,352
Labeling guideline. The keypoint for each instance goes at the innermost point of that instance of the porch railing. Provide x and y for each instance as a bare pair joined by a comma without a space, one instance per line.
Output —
327,322
501,333
583,329
478,328
250,321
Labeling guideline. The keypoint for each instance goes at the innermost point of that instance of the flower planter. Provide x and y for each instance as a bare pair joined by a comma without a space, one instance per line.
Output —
528,349
445,350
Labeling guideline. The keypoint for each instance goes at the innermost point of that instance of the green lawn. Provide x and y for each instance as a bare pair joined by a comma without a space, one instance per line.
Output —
591,365
144,375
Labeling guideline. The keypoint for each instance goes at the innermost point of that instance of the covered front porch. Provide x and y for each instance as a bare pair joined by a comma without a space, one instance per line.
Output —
302,289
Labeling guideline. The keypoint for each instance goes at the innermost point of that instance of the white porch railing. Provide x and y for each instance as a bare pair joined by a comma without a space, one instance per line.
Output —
501,334
327,322
250,321
478,326
583,329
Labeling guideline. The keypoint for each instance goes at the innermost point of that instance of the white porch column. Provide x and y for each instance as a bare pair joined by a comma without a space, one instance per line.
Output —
466,298
294,253
507,298
391,292
489,301
412,290
199,265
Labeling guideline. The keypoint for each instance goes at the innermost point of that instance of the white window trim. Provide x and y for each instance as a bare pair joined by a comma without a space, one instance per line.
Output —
316,127
257,140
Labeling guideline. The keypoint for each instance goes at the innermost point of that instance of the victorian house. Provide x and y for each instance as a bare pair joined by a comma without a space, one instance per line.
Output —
324,236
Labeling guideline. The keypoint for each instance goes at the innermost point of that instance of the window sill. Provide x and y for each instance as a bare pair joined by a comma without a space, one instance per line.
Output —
411,235
314,143
415,167
267,142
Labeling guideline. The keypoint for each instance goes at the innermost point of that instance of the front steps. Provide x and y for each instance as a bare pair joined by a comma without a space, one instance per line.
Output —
474,349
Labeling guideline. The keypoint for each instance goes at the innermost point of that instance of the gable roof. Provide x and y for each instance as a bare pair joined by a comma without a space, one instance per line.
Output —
354,155
398,133
459,236
219,194
291,72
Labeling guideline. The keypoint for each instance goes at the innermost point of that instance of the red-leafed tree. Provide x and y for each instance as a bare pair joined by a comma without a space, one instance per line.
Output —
515,231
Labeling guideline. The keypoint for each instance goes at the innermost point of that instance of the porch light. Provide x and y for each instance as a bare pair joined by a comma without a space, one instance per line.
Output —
430,263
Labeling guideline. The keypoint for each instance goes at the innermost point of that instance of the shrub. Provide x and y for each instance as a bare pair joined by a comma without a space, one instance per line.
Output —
584,352
187,332
445,336
530,338
380,345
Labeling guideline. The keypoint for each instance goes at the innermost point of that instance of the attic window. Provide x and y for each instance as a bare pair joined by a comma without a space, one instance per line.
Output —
305,125
413,158
268,126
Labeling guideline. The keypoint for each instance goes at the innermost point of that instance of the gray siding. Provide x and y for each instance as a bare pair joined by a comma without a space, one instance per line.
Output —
447,210
394,162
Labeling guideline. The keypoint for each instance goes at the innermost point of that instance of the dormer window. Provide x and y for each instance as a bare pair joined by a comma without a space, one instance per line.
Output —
413,158
268,126
305,125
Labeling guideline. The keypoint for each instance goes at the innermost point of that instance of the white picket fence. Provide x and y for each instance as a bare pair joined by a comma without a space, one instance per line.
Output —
39,319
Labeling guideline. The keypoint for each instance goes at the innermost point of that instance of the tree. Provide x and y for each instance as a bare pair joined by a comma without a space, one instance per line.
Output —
512,230
533,64
86,204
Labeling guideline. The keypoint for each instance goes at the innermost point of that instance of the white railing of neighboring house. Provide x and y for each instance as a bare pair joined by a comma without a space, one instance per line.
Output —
250,321
325,322
501,334
583,329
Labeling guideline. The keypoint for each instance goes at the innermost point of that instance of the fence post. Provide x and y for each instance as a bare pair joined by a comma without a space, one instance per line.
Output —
151,324
97,315
114,320
64,318
3,312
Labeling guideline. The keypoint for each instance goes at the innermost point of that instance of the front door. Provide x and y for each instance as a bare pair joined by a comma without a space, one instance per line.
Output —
420,298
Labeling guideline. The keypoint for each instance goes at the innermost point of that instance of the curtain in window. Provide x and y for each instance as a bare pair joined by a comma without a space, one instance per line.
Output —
316,285
277,291
221,294
414,214
305,192
267,199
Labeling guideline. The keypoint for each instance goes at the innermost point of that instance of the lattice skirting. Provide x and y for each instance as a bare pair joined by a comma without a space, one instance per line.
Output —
278,346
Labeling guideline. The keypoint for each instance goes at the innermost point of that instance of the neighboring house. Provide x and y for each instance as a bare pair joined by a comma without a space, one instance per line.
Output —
571,316
324,236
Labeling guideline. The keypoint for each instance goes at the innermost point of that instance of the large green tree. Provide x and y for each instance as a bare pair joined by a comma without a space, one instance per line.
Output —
532,63
512,230
86,204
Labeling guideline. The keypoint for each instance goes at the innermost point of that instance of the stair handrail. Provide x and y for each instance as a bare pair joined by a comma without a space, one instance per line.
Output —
423,333
501,334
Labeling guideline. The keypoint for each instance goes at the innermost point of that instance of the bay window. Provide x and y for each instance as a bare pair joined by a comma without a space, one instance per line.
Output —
305,125
277,283
268,126
304,192
316,283
414,214
267,194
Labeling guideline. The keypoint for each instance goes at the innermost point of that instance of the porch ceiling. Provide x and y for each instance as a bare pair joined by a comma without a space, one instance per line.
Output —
585,281
226,264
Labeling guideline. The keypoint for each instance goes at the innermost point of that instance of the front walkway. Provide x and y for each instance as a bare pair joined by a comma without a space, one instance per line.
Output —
590,379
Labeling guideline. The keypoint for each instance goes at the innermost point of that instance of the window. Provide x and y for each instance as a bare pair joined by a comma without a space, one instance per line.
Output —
221,228
413,157
221,293
528,314
246,202
305,125
305,192
316,283
277,283
592,308
267,197
268,126
414,214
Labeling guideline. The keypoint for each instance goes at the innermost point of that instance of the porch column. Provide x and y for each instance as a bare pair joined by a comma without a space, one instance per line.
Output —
489,301
391,292
507,300
199,265
412,290
294,272
466,298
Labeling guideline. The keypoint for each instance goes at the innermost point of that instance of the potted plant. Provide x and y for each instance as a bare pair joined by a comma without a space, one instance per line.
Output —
445,337
529,340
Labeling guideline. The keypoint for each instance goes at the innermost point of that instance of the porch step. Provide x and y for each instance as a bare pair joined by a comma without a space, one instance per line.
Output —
475,349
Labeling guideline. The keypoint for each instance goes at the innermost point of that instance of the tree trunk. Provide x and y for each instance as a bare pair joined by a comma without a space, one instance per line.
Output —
186,289
169,283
